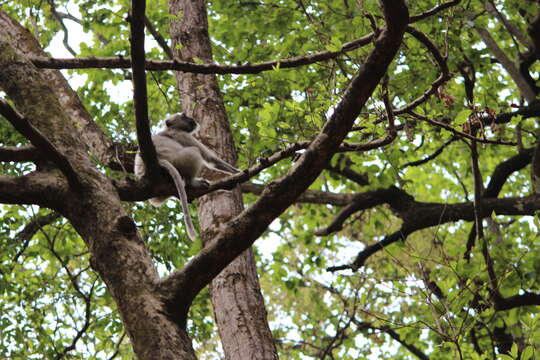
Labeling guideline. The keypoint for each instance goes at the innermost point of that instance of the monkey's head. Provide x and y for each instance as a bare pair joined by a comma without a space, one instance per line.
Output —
181,122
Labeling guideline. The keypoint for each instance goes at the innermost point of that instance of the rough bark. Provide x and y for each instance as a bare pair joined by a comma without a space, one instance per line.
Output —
236,296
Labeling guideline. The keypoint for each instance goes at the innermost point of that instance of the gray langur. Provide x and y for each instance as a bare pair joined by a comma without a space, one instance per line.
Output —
183,157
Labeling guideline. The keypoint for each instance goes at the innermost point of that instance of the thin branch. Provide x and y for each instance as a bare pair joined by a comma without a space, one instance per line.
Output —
497,180
370,145
140,97
361,202
372,249
37,139
28,232
144,189
535,168
478,189
433,11
117,346
394,335
75,283
160,40
457,132
60,21
432,156
122,62
347,172
526,91
309,196
510,27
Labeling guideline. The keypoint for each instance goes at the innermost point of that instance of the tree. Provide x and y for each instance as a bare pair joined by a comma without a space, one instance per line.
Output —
386,155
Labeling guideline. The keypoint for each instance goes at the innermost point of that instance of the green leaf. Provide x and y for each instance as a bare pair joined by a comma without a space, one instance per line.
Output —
462,117
527,353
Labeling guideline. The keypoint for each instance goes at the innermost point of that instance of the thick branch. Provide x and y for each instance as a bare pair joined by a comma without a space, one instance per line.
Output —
185,66
511,302
160,40
144,136
501,173
87,130
26,153
526,112
504,170
42,143
37,188
424,215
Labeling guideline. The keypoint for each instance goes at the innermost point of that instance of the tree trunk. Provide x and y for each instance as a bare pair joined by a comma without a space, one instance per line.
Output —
117,252
236,297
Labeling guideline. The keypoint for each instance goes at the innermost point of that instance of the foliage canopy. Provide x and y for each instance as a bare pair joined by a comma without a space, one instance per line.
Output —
384,256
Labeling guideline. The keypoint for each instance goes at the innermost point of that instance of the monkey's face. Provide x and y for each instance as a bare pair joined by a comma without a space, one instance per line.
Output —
181,122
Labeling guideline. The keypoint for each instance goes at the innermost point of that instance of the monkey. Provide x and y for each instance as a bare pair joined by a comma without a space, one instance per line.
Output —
183,157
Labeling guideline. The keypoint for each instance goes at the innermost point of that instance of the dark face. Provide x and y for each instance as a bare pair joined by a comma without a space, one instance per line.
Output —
181,122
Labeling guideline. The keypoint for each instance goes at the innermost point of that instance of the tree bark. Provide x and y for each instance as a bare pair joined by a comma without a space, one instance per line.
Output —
236,297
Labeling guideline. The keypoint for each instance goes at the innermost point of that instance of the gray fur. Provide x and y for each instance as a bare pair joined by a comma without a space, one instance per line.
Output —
183,157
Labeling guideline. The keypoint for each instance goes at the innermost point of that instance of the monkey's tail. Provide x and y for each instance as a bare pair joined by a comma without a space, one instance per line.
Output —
181,189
